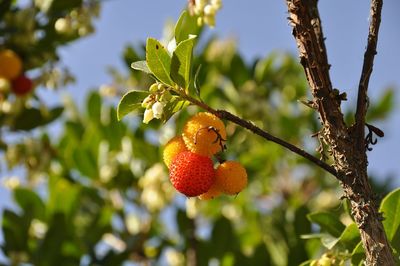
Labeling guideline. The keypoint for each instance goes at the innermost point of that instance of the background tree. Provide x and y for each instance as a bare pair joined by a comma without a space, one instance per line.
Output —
99,195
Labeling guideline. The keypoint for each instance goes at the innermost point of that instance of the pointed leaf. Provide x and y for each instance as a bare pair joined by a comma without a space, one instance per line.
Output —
390,208
159,61
327,222
29,201
94,106
174,105
358,254
349,237
196,81
31,118
130,102
186,25
181,63
141,66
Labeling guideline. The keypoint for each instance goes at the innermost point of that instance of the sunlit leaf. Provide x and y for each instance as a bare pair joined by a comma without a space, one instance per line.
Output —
181,63
141,66
390,207
174,105
130,102
158,61
186,25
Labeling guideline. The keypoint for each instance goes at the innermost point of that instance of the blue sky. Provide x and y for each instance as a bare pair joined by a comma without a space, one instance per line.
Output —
260,27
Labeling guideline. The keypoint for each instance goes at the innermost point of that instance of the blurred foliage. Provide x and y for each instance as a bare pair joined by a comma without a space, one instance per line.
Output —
94,191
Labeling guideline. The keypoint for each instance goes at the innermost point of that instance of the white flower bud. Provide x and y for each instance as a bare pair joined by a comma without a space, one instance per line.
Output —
210,20
199,21
216,3
199,4
153,87
63,26
158,109
210,10
147,101
148,116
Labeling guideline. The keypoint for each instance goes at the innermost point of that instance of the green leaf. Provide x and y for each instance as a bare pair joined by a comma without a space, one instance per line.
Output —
15,231
31,118
358,254
174,105
327,222
186,25
141,66
58,6
381,108
183,222
390,207
329,241
4,7
196,81
30,202
181,63
130,102
159,61
223,237
349,237
94,106
85,162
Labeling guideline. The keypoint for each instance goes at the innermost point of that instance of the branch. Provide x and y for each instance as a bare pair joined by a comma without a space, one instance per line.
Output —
258,131
369,55
349,159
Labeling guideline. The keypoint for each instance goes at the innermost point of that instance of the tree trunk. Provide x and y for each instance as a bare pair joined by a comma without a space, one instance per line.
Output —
350,160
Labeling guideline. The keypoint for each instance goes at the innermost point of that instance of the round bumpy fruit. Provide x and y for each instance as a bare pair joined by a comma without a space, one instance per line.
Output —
213,192
231,177
204,134
10,64
22,85
173,147
191,174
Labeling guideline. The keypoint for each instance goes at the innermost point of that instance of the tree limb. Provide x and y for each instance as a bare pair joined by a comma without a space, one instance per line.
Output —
262,133
369,55
343,143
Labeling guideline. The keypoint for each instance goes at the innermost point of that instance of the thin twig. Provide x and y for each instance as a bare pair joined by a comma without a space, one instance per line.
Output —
369,55
262,133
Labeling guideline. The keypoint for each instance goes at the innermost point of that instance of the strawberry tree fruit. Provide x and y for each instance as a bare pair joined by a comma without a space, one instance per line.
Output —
212,193
5,86
173,147
192,174
10,64
22,85
204,134
231,177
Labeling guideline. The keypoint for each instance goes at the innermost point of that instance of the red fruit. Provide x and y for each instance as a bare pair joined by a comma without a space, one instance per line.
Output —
22,85
191,174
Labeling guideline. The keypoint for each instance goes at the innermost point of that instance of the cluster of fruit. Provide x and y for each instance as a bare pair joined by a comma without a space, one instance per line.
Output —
11,76
189,159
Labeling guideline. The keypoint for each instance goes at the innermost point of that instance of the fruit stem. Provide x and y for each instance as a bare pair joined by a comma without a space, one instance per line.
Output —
223,114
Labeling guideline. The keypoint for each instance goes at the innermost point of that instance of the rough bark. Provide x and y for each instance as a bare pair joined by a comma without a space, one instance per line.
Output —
350,161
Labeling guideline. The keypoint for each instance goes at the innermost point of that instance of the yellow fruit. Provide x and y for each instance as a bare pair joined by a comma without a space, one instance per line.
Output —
204,134
213,192
10,64
173,147
231,177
